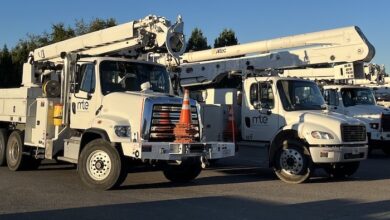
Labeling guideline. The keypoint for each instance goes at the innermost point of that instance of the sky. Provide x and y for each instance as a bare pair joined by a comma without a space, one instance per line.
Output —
252,20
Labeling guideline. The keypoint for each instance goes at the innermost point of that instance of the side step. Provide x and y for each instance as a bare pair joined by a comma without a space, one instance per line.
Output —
71,150
67,159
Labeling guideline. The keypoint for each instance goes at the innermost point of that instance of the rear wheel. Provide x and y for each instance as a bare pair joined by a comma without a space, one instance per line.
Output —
101,165
3,146
15,158
342,170
292,162
183,172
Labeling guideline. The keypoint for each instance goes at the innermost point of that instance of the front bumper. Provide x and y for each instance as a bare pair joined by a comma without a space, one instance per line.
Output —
178,151
338,153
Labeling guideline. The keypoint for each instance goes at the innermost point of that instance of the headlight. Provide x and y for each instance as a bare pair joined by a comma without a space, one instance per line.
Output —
122,131
321,135
374,125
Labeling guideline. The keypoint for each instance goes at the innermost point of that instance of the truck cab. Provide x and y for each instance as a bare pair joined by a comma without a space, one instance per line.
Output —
359,102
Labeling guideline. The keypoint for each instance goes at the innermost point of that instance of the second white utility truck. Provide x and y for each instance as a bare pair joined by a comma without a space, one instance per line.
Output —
85,102
287,114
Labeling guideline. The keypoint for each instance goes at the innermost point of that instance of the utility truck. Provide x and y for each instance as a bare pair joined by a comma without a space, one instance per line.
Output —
286,114
357,98
89,102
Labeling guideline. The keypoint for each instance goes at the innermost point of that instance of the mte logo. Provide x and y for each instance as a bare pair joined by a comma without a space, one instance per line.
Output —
260,120
83,105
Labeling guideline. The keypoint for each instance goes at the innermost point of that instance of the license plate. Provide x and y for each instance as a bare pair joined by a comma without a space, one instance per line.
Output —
355,151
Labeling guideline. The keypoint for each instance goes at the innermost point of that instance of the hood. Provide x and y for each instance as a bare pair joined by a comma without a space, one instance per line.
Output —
156,98
132,108
305,122
364,110
321,117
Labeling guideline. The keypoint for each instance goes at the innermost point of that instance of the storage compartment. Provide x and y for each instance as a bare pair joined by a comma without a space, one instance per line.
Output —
15,104
44,123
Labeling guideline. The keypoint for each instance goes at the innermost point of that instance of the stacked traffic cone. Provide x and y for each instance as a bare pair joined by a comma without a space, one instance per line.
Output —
184,131
229,133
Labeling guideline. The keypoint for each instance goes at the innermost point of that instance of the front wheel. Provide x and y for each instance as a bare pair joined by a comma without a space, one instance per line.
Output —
184,171
101,165
292,163
342,170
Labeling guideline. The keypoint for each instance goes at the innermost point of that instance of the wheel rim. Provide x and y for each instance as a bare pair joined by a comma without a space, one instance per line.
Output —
291,161
14,152
98,165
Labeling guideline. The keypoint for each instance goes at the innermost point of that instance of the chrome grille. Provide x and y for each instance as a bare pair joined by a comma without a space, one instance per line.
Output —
352,133
385,122
164,120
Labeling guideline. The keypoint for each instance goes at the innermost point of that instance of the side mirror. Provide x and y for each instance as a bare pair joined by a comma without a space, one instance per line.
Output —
257,105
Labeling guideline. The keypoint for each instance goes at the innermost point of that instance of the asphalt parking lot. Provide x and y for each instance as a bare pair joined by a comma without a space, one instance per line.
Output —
235,188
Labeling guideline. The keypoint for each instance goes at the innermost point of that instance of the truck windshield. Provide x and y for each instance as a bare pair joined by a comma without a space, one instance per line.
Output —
300,95
121,76
357,96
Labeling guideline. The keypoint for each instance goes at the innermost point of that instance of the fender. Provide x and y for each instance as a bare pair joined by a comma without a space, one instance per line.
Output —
107,123
280,136
92,134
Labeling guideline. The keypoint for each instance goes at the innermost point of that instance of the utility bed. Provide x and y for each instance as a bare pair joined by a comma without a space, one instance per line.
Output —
16,103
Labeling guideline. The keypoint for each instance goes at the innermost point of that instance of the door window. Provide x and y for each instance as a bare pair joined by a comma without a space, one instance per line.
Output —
88,81
262,93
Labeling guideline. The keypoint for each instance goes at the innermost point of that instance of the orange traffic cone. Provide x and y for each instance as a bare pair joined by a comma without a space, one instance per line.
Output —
185,114
230,131
183,131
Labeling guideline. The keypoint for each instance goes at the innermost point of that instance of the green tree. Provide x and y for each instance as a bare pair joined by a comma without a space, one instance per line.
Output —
197,41
7,79
81,27
60,33
99,24
226,38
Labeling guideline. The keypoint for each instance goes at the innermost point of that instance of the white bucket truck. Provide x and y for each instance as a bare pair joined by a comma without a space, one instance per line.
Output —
85,102
288,114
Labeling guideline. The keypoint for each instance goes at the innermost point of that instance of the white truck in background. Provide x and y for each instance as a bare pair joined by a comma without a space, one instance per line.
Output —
288,114
82,101
359,102
357,98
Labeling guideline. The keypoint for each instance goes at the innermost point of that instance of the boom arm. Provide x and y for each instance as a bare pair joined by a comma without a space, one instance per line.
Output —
346,48
349,42
150,33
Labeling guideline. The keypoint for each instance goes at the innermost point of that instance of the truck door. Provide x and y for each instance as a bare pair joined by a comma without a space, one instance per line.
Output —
84,99
260,118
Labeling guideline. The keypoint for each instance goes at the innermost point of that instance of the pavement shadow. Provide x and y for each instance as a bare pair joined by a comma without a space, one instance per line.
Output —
230,175
219,207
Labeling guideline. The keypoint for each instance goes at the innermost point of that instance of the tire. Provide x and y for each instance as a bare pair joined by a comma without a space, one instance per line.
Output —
101,166
14,154
292,162
3,146
342,170
184,172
